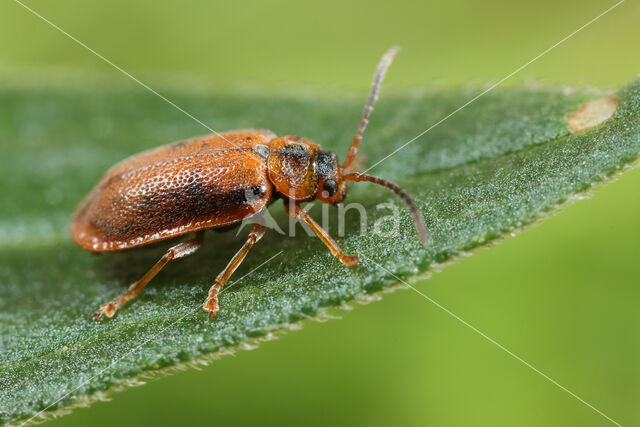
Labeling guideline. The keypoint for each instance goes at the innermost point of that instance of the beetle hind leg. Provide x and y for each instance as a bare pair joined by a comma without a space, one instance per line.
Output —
211,304
178,251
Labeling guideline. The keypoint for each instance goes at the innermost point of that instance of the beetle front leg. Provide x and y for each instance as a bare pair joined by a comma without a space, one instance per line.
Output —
296,211
178,251
211,305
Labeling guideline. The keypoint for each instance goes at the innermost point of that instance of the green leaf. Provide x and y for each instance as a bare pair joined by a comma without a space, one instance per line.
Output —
504,161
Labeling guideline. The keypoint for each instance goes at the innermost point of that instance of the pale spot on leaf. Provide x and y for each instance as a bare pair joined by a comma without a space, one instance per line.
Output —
593,113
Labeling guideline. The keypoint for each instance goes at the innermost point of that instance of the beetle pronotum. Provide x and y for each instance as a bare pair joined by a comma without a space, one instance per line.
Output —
204,183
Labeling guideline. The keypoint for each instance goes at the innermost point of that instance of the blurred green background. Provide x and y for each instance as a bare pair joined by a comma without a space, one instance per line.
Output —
563,296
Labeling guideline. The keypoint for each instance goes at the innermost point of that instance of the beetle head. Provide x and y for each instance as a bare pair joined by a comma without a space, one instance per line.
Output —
331,187
301,171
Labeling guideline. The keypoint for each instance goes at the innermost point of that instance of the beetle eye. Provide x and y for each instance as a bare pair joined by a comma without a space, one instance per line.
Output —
330,188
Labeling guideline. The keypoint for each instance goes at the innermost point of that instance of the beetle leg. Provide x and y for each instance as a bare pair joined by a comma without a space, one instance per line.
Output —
296,211
211,305
178,251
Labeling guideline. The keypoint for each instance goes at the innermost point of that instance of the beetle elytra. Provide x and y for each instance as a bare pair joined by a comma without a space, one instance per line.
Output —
205,183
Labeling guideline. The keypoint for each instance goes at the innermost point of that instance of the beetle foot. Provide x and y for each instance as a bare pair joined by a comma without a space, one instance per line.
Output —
350,260
108,309
211,305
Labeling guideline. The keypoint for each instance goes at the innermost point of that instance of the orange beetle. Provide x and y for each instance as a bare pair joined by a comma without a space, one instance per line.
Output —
216,181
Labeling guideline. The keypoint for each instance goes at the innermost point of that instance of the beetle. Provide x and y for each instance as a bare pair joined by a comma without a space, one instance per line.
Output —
213,182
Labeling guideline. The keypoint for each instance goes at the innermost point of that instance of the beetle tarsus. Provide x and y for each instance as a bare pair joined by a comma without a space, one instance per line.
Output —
350,260
108,309
211,305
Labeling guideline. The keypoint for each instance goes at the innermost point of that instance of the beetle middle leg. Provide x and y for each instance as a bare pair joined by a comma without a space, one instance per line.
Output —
296,211
211,305
178,251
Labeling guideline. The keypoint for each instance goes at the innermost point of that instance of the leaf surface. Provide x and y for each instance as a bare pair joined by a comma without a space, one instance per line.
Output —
504,161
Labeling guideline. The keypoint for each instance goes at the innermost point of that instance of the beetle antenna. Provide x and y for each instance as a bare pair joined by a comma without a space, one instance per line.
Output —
415,212
383,65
